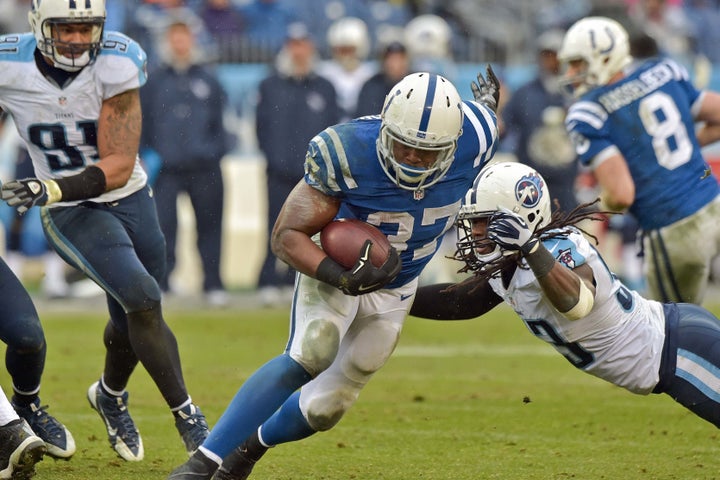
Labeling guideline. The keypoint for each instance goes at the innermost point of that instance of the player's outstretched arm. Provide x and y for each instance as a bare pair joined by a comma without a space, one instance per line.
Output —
446,301
487,90
571,292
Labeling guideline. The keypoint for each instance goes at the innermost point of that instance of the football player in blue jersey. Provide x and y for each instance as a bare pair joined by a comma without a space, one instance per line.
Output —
558,284
633,124
404,171
73,91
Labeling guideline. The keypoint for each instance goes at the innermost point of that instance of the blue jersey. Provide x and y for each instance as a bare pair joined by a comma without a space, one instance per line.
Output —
342,161
648,117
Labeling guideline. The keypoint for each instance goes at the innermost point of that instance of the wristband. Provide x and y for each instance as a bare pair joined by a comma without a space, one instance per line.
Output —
583,306
329,271
89,183
541,261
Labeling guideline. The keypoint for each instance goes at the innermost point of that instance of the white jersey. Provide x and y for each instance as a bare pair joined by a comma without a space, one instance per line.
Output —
620,340
59,125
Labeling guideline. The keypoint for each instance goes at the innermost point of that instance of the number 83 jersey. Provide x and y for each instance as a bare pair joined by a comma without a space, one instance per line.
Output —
59,125
648,116
620,340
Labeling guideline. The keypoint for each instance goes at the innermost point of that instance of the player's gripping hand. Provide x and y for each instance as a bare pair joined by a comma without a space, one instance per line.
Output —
487,90
364,277
25,193
511,232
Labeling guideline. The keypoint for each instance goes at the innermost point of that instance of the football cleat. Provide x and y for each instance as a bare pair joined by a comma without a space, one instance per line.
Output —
20,450
239,464
192,426
123,435
58,439
198,467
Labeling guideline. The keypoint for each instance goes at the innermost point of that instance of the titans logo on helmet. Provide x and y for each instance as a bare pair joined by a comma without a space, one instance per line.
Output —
528,190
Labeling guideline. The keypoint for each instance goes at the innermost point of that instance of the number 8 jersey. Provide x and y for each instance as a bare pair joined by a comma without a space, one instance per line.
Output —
59,125
648,117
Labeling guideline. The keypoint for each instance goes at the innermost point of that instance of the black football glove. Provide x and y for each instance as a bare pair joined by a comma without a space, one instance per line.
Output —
24,193
511,232
364,277
487,91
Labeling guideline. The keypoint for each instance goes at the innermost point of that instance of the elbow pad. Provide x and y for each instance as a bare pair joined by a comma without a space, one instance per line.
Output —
583,306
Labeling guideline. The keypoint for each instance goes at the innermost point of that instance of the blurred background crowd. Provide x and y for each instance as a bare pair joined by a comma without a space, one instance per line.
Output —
238,87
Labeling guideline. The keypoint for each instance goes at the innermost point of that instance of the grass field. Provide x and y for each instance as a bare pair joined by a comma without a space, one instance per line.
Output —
481,399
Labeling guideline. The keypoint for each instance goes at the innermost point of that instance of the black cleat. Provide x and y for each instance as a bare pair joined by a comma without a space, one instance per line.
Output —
20,450
239,464
198,467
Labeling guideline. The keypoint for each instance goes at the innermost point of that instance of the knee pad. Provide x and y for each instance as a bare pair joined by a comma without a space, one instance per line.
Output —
369,351
319,346
142,295
324,411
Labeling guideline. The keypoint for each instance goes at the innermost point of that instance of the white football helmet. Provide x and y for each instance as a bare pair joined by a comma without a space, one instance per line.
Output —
428,35
45,14
603,44
504,185
422,111
350,32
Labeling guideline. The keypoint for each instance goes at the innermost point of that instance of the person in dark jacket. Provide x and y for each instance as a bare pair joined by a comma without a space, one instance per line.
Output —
183,105
534,128
395,65
294,104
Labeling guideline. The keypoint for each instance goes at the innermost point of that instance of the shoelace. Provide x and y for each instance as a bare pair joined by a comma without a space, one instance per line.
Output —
45,421
117,413
198,427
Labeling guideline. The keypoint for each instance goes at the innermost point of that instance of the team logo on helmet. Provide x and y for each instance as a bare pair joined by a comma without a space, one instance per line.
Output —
528,190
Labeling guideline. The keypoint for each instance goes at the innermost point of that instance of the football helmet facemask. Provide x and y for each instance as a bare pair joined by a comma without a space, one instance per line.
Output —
602,44
44,15
504,185
422,111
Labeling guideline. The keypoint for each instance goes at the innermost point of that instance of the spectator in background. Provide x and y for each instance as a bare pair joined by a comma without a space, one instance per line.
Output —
147,22
294,104
350,45
183,104
394,66
429,41
534,124
14,17
266,22
667,24
704,15
225,25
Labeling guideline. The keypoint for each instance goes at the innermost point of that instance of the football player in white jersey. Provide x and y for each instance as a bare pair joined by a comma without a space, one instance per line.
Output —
634,125
73,91
404,171
558,284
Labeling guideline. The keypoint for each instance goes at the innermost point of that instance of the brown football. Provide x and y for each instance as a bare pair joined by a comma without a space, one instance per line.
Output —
343,239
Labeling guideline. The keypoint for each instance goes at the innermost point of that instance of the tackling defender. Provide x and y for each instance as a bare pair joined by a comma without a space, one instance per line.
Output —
404,171
557,283
73,91
634,126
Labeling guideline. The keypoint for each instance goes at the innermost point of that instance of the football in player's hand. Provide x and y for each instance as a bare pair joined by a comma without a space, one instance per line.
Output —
343,239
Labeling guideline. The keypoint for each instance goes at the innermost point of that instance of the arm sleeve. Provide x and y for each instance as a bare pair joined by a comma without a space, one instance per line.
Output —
446,301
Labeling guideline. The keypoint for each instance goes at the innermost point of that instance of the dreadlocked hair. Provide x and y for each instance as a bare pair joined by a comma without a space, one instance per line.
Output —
557,227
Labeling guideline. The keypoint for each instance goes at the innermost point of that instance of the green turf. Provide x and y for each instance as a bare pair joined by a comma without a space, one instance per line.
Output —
481,399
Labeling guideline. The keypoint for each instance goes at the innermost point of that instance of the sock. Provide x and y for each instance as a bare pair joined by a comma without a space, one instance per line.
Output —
258,398
7,412
288,424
